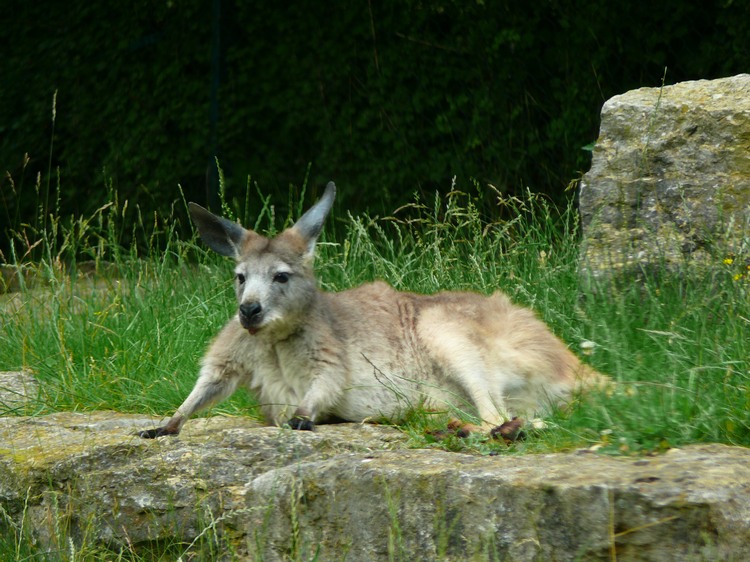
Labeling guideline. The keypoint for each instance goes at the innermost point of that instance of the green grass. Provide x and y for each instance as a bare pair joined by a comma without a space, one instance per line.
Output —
129,338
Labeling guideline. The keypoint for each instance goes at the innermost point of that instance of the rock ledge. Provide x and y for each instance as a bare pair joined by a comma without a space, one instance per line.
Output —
357,491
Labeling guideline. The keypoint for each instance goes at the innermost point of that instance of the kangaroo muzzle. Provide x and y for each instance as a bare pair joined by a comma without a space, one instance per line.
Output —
251,315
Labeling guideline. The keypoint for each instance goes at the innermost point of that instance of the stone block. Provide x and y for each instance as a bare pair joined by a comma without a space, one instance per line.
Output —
669,184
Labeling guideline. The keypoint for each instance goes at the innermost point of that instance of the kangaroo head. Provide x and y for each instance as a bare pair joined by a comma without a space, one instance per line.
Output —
274,279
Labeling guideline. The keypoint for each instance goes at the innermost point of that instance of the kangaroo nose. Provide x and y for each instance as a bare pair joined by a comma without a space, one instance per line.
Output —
250,310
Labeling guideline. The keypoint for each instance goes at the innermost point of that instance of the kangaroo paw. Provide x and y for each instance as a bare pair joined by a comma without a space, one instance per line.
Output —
455,428
463,429
156,432
301,423
509,431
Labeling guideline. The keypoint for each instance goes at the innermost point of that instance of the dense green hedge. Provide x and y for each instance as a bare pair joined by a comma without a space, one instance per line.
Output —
384,97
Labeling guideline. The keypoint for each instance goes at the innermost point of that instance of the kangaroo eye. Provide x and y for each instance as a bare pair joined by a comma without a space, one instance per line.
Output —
240,278
281,277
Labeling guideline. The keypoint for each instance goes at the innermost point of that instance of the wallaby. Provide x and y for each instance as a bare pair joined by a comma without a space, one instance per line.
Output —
367,353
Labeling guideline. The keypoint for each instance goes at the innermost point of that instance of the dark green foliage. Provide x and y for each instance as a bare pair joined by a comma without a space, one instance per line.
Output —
383,97
130,105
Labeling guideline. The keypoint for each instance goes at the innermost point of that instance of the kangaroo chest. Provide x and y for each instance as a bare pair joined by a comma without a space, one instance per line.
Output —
282,373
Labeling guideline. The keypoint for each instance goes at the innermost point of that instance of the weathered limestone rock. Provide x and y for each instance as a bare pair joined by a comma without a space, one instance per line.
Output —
670,178
17,388
357,492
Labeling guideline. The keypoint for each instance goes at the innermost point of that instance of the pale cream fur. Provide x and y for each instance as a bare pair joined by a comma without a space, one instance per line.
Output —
371,352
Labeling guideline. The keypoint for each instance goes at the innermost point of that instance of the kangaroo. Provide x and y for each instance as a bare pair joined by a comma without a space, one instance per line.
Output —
370,352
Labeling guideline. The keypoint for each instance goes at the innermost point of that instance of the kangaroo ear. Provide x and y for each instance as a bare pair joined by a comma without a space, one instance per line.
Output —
221,235
311,223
